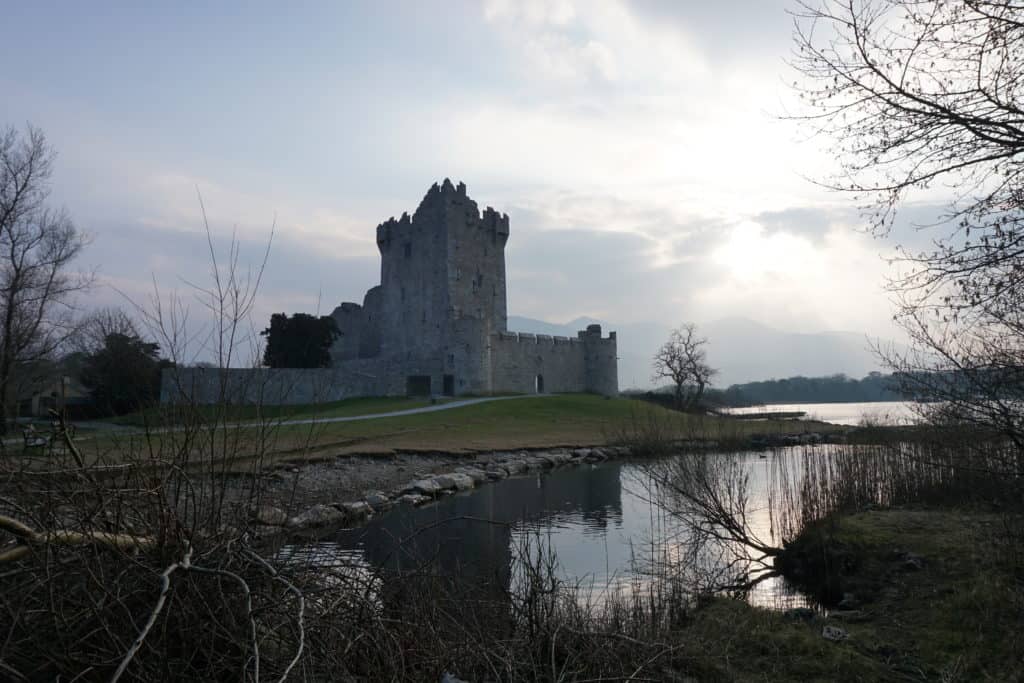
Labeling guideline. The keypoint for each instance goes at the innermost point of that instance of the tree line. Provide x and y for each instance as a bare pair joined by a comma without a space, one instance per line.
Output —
836,388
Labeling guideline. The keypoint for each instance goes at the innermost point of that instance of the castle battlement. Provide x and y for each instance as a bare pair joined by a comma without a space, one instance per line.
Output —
592,335
553,340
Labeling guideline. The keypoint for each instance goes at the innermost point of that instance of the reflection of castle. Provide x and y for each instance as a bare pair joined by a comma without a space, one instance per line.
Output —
436,324
470,535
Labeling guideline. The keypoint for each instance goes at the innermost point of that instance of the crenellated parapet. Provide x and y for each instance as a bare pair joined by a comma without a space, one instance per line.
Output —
390,230
440,204
538,339
496,225
593,334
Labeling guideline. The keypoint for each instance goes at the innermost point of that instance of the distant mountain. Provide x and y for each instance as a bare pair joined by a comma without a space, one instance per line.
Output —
743,350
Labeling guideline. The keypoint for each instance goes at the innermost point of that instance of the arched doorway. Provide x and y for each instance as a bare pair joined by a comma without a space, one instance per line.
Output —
538,384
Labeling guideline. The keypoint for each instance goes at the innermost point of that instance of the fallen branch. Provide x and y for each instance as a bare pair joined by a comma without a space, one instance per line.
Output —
28,537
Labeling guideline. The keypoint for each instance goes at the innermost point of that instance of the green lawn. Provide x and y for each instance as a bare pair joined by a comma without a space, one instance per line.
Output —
565,420
956,618
527,422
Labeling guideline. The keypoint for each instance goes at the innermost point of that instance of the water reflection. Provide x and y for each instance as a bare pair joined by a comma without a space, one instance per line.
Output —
597,519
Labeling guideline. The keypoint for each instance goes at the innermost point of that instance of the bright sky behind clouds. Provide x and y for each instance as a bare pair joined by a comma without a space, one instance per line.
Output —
636,147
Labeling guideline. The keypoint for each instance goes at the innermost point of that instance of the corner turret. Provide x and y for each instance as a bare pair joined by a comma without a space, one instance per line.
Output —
496,224
601,361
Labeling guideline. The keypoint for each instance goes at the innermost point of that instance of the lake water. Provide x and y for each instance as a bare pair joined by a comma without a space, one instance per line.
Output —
880,412
597,520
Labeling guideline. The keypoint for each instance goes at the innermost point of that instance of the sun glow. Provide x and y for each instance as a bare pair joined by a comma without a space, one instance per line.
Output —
751,254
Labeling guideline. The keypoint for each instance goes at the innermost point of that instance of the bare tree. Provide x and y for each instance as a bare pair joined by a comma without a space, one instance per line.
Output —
918,94
709,495
37,247
683,360
94,329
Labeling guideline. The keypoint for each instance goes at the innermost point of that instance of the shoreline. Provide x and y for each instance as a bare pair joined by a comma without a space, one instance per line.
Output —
345,490
348,490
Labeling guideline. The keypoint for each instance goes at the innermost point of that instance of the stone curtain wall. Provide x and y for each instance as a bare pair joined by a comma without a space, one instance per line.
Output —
567,364
510,364
517,359
271,386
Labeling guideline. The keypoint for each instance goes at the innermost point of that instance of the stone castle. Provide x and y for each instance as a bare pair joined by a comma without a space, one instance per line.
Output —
436,324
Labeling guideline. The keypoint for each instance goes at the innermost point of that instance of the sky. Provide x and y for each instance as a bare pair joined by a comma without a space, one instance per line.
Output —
641,150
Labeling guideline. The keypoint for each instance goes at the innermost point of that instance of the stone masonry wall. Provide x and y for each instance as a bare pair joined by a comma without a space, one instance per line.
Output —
271,386
512,363
601,361
518,359
583,363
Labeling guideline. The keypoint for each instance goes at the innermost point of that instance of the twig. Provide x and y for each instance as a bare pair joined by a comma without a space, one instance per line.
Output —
165,586
11,671
650,661
248,612
302,611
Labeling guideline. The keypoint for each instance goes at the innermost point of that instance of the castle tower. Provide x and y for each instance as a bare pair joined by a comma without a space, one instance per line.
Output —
601,365
443,287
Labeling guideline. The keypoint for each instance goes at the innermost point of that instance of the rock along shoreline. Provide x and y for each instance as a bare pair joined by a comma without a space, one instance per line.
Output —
268,520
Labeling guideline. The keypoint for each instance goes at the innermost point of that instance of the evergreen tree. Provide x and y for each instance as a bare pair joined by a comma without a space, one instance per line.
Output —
124,375
299,341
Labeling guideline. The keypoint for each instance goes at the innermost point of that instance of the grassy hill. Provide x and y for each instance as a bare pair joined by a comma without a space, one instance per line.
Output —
568,420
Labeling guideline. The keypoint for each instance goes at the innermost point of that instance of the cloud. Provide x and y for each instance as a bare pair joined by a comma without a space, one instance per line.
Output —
634,144
296,278
833,283
650,263
532,12
588,42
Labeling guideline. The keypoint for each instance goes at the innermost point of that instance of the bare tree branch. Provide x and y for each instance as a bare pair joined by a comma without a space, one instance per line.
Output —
683,360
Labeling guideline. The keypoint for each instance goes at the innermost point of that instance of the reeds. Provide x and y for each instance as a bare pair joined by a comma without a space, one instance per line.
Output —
809,484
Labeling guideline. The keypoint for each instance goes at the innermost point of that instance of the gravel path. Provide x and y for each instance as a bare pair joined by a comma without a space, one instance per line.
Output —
411,411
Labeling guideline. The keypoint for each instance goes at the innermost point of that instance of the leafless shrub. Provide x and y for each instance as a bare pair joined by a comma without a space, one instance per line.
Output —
709,497
132,556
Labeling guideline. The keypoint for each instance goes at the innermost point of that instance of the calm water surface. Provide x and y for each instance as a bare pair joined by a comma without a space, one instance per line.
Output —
596,519
880,412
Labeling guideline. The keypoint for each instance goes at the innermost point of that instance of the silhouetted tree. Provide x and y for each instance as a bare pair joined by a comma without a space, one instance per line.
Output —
920,93
683,360
93,330
37,247
123,375
299,341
